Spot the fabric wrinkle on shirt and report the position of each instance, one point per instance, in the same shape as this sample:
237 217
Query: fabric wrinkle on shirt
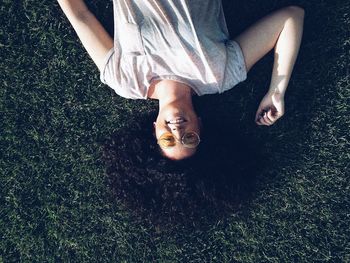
186 41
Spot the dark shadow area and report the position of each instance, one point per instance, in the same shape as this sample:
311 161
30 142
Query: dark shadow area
219 178
222 175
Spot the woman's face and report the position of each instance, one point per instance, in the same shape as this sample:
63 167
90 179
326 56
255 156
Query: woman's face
177 122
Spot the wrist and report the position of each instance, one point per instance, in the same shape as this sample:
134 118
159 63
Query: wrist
276 92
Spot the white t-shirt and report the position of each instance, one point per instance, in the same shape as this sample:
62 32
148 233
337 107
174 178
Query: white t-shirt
183 40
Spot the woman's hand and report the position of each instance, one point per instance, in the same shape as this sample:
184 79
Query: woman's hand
271 108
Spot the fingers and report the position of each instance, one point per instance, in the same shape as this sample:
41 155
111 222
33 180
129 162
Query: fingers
266 118
259 114
270 117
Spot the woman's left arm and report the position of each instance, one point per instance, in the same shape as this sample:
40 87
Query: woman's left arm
281 30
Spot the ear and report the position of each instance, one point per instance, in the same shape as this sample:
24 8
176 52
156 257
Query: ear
154 129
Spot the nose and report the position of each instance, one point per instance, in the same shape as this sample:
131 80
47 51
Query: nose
177 132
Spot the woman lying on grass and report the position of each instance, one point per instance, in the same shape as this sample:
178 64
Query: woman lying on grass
170 50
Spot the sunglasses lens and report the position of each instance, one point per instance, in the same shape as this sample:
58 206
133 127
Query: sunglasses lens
166 140
191 139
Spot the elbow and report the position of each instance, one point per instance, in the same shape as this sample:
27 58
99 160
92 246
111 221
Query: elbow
296 11
74 10
83 15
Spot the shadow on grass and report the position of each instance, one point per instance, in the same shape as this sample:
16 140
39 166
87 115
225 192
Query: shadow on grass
219 179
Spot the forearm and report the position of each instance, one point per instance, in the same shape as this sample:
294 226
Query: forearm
286 51
90 31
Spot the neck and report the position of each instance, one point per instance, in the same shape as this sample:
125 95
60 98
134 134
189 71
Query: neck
169 92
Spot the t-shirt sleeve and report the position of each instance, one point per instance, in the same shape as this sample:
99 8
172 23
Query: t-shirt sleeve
235 70
108 73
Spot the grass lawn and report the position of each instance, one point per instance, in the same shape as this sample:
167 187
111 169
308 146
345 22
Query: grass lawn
80 181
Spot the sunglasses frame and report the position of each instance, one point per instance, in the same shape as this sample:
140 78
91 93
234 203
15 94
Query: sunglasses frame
181 141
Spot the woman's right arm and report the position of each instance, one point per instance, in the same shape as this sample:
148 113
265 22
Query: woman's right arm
90 31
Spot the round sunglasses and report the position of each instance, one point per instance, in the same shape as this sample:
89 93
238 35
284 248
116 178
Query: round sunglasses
188 140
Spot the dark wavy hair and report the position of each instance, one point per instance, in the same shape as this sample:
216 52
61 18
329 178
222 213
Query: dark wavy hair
219 175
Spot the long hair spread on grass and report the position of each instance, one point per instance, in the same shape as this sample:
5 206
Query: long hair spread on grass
219 175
